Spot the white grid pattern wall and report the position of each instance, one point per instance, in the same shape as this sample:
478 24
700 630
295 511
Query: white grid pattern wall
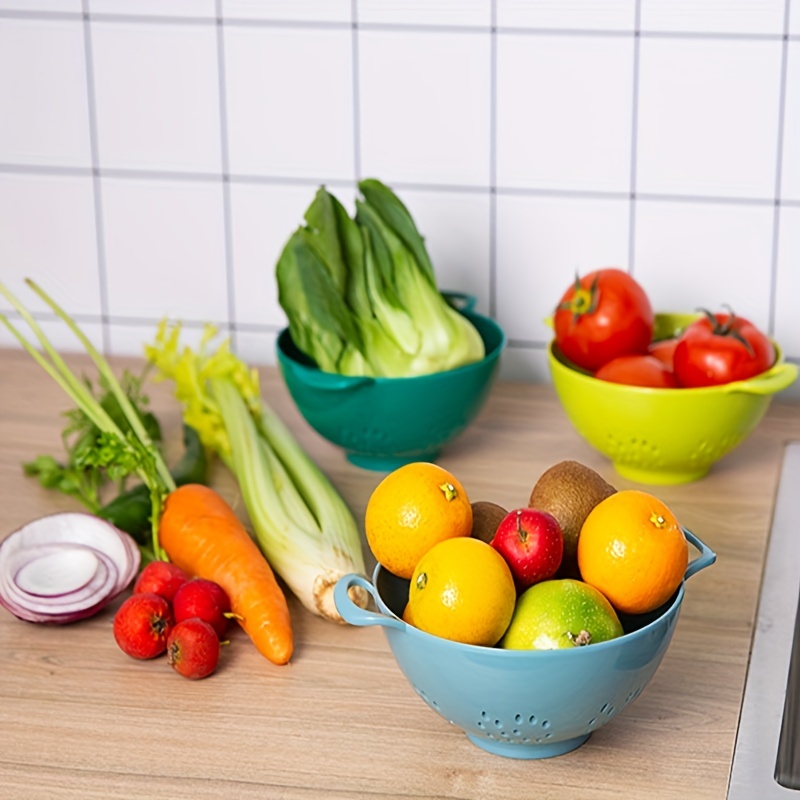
156 154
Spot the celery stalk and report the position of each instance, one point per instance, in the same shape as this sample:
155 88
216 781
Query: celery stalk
300 522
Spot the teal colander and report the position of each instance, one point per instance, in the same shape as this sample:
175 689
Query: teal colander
521 703
383 423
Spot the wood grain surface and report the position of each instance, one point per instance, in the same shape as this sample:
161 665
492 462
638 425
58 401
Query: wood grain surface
79 719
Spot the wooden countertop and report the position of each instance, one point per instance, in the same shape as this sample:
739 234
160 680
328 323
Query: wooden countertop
79 719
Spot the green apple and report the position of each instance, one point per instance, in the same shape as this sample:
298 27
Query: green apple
558 614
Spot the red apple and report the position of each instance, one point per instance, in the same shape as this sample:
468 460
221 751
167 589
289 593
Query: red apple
532 544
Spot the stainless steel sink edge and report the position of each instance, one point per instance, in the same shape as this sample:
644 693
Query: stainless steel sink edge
753 769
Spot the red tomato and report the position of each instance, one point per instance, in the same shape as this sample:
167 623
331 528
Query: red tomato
664 351
601 316
638 371
721 348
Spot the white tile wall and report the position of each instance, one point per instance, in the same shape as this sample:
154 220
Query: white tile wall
157 97
790 175
155 156
424 103
43 93
288 115
706 255
573 133
708 117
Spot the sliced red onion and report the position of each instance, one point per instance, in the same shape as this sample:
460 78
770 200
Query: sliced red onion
64 567
57 570
102 582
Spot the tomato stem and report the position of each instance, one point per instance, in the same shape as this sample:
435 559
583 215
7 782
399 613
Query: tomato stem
727 328
583 300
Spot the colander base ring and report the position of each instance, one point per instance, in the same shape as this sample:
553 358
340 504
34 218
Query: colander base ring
389 463
658 477
527 751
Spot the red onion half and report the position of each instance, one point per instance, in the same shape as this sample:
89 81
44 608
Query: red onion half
64 567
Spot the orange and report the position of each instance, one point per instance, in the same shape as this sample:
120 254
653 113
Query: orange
462 589
632 548
412 509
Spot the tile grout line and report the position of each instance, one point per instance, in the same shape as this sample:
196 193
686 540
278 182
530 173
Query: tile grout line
226 185
356 66
228 20
285 180
634 139
493 163
97 188
776 219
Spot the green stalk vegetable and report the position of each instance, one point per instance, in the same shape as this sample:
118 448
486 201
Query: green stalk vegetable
301 523
119 452
361 296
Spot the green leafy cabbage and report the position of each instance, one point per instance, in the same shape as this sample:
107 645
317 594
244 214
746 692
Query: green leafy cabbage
361 296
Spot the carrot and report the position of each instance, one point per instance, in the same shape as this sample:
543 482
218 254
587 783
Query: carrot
203 536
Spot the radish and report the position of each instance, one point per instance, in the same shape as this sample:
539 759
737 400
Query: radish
64 567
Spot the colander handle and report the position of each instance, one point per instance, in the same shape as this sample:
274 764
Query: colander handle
780 377
706 558
351 612
460 300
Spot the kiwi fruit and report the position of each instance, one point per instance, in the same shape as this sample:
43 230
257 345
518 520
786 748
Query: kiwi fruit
486 517
569 490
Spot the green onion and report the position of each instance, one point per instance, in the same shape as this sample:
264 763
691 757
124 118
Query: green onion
119 452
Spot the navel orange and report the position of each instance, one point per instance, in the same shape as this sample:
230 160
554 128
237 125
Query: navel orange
462 590
412 509
632 548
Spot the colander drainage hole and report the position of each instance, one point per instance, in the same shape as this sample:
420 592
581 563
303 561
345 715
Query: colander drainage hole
606 709
546 725
518 718
498 724
427 699
531 720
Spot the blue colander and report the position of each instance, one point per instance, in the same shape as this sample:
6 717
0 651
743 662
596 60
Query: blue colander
521 703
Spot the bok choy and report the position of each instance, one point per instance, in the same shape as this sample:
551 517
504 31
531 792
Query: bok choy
300 522
360 293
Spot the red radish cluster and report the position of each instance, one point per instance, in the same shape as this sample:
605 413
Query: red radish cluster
170 613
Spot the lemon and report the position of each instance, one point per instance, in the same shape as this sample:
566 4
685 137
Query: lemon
462 590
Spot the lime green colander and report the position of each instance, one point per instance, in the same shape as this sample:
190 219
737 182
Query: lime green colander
665 436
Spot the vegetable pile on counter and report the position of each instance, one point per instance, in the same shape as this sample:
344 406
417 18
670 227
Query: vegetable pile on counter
604 324
301 523
361 295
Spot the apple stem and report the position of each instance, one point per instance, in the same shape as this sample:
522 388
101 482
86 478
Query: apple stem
521 532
